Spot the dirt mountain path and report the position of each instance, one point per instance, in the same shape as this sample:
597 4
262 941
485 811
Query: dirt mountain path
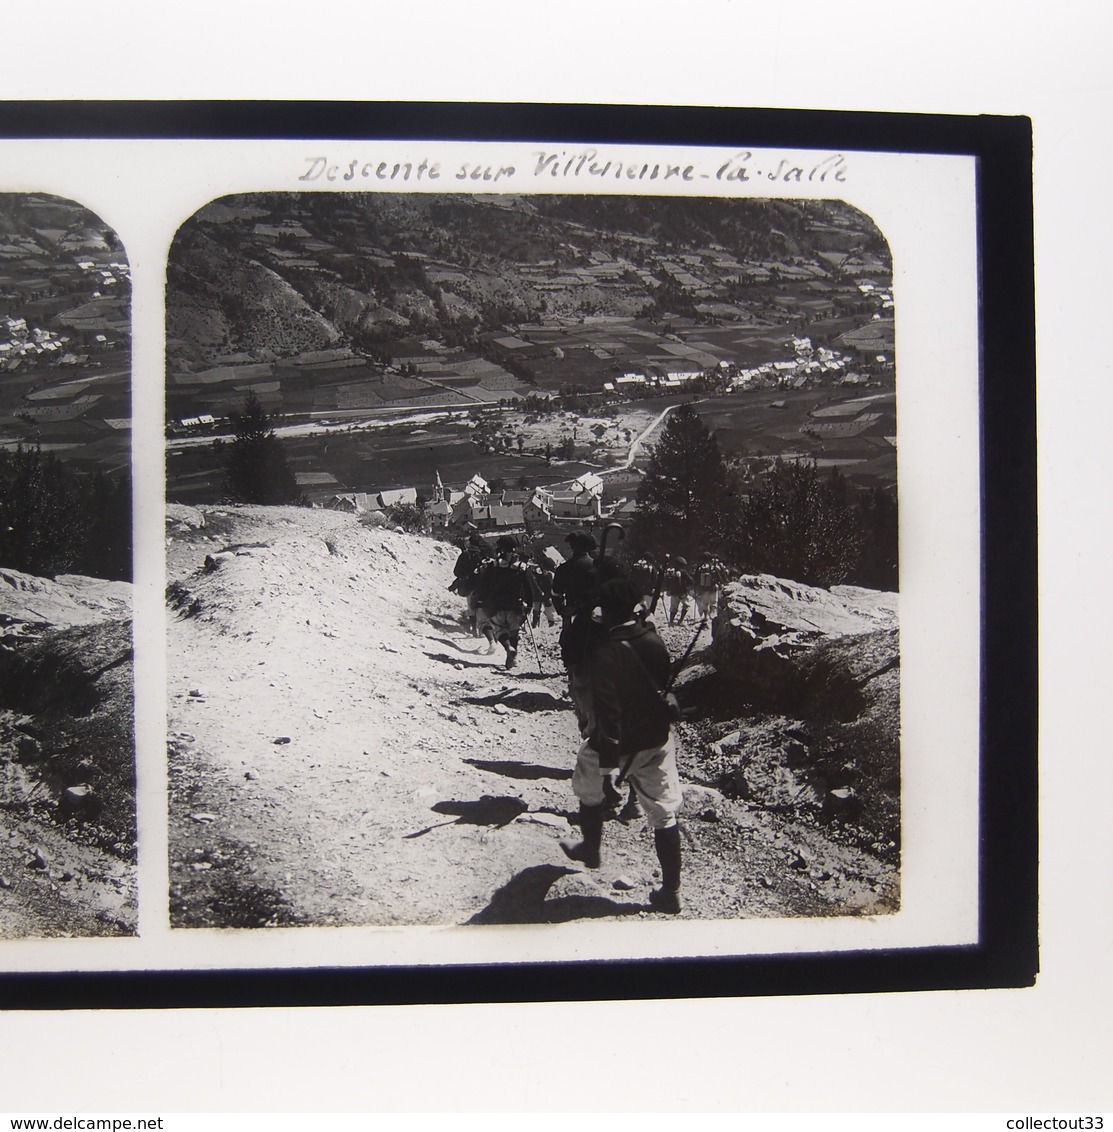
342 751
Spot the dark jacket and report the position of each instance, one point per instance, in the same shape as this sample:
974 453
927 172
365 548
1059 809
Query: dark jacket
644 576
467 565
543 579
574 584
505 588
678 582
627 713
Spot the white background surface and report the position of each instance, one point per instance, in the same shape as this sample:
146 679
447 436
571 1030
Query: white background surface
1040 1051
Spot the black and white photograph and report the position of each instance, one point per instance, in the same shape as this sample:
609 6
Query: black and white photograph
564 572
531 559
67 746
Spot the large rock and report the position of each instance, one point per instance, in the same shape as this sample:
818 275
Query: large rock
30 603
180 517
768 624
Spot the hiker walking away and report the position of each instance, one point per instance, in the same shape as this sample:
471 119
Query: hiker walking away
628 728
541 570
574 579
709 579
503 594
678 586
576 584
643 575
474 552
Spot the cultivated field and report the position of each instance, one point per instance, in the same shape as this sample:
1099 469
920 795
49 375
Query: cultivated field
370 456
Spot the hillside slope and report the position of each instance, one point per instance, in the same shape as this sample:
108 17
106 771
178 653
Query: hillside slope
283 273
67 757
342 751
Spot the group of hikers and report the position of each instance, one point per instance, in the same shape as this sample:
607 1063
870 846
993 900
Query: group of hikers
502 587
618 667
682 586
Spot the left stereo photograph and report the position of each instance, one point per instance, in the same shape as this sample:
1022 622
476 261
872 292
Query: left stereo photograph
67 735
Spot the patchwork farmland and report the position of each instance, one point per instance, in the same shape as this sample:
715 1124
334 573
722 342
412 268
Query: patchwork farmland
416 326
65 333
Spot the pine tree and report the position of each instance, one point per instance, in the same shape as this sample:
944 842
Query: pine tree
688 498
43 525
798 524
257 469
108 547
54 520
877 560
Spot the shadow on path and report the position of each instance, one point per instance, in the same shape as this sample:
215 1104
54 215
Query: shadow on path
488 811
523 700
444 658
526 771
455 644
447 626
522 900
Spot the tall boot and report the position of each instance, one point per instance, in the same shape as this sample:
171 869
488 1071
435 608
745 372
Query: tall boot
587 850
667 897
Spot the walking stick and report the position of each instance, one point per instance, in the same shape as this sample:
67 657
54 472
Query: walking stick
533 641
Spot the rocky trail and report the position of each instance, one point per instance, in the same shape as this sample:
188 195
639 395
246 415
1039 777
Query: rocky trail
343 752
67 774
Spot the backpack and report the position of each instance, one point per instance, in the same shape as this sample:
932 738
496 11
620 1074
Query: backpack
467 570
503 587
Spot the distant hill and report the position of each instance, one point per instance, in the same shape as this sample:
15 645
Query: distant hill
293 272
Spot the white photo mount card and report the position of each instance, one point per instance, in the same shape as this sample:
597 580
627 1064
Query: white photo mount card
776 378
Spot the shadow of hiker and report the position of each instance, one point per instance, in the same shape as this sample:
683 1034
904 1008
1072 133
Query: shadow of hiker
488 811
523 700
522 900
444 658
564 909
527 771
523 674
466 645
446 626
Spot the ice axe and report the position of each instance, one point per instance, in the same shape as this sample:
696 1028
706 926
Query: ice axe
606 532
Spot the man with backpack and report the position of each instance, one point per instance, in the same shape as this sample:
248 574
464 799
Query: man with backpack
541 570
644 576
503 593
709 579
678 585
576 586
627 726
474 552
